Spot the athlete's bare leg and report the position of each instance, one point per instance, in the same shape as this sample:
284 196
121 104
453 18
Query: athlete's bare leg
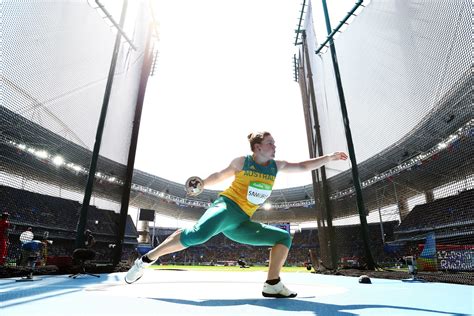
169 245
278 256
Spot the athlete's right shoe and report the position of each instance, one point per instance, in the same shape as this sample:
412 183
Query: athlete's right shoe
278 290
136 271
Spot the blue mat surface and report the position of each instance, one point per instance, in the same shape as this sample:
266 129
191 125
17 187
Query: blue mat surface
162 292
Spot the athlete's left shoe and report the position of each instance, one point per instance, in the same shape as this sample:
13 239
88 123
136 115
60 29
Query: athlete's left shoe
136 271
278 290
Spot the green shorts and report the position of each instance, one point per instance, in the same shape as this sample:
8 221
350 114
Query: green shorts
225 216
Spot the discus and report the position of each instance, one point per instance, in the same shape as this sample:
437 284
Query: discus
194 186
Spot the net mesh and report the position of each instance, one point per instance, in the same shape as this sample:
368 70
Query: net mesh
54 68
406 72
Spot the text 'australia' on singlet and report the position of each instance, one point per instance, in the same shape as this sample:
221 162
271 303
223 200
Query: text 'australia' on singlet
252 185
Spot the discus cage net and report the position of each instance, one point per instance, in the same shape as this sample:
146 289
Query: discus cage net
61 61
406 74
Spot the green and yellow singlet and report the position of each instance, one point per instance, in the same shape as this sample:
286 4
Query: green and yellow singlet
252 185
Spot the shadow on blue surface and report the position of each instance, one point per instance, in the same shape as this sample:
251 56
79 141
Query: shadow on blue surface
42 288
301 306
8 283
38 299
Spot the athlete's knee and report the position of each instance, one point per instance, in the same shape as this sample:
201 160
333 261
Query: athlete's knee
285 240
194 236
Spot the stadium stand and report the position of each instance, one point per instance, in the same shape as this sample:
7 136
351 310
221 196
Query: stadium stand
59 218
222 249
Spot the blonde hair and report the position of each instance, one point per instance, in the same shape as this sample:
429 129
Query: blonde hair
256 138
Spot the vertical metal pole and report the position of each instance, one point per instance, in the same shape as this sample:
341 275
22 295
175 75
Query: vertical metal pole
381 226
154 228
396 201
380 215
312 152
98 138
350 145
318 151
138 216
146 68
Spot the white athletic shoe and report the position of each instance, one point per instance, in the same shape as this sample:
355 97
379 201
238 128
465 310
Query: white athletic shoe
278 290
136 271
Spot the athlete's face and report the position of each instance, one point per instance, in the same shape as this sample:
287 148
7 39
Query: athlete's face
267 147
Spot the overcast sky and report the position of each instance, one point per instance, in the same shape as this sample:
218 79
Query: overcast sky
224 69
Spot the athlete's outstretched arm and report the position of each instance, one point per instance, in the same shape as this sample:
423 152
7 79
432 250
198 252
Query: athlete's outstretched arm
310 164
235 166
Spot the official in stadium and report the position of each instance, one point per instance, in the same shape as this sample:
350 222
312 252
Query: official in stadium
89 239
231 212
4 226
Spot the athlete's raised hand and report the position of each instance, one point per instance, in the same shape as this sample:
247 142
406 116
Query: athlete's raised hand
338 155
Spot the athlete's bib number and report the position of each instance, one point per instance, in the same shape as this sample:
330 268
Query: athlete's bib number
258 192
